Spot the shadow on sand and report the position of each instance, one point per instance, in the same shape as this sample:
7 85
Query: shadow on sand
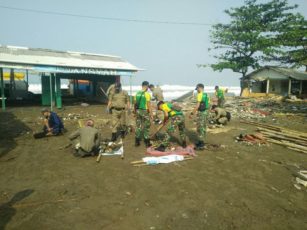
11 128
7 211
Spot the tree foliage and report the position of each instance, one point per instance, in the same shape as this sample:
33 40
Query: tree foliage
254 35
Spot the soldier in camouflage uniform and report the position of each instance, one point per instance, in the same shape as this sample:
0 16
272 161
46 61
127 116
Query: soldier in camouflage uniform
176 119
142 108
201 109
118 104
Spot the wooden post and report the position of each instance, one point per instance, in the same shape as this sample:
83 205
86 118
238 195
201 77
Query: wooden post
27 75
58 93
12 84
301 87
130 82
267 86
51 93
2 90
290 85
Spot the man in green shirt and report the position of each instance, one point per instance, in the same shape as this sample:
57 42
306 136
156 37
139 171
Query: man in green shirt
176 118
201 109
143 112
220 94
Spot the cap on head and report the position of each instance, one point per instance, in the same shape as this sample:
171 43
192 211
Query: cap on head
199 85
90 123
145 83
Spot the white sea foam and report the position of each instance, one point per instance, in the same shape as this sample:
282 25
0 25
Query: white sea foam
174 91
169 91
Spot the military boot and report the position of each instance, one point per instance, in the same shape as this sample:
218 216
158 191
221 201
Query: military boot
114 137
137 142
200 145
161 148
123 133
184 144
147 143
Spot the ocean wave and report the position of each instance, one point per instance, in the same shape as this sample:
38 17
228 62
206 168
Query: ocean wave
170 92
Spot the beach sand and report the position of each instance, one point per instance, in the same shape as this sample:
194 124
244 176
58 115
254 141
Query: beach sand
238 187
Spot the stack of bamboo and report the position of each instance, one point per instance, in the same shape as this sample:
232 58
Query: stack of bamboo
282 136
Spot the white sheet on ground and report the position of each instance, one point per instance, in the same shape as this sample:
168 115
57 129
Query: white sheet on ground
163 159
120 151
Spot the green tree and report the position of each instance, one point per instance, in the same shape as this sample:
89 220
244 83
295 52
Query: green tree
292 39
250 36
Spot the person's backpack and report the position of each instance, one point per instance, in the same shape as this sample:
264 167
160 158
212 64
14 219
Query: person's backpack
137 103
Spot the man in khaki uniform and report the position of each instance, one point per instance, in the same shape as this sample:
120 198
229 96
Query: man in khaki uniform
89 142
111 90
117 105
221 116
157 95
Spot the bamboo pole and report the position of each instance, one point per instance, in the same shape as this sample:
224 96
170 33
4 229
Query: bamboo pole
275 128
287 144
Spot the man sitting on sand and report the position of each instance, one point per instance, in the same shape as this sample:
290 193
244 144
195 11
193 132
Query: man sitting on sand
221 116
89 142
53 125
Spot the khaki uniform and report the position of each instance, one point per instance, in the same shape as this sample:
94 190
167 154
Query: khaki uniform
118 105
157 94
111 91
220 116
89 139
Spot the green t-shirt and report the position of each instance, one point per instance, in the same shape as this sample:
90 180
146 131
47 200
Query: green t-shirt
141 98
220 93
168 107
203 98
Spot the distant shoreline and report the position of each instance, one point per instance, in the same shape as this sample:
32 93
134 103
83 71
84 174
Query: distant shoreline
170 91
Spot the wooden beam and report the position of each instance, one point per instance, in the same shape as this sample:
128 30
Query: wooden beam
267 86
289 88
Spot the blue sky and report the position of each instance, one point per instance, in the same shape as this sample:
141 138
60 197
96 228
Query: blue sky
169 53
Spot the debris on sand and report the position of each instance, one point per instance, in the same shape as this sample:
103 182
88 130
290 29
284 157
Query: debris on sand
254 138
291 139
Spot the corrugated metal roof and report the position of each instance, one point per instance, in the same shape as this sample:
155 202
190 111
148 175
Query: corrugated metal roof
285 72
23 56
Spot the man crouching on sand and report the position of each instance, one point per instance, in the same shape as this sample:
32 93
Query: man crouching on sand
53 125
89 142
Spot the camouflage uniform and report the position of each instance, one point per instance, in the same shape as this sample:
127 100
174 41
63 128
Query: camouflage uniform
202 124
142 124
142 115
176 119
202 115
